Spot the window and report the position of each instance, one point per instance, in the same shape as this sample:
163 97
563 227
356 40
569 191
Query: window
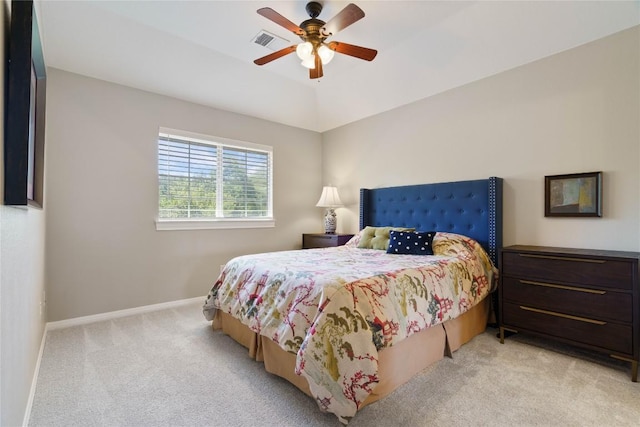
208 182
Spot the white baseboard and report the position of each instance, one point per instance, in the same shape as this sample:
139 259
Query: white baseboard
120 313
34 380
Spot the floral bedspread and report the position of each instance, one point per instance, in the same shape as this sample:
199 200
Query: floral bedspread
335 308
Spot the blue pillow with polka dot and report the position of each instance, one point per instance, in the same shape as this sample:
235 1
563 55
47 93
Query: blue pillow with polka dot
411 242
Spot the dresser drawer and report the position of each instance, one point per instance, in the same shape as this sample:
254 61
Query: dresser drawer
570 269
610 336
600 304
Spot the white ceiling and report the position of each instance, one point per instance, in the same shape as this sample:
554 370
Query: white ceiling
202 51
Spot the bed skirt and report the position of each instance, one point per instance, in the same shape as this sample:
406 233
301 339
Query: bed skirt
396 365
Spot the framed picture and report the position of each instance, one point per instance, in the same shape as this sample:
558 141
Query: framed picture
573 195
24 109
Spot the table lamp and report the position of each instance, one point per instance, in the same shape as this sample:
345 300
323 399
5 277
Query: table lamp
330 200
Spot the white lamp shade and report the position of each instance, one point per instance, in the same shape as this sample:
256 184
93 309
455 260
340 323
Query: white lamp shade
329 198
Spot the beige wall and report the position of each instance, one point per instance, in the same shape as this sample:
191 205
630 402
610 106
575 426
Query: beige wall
577 111
103 251
22 237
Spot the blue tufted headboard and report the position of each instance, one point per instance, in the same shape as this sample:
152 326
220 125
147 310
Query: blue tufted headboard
471 208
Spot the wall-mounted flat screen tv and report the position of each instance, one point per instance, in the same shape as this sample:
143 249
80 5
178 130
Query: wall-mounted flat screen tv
24 110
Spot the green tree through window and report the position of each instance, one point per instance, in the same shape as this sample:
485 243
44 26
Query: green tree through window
203 179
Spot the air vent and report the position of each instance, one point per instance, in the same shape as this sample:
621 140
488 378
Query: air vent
270 41
263 39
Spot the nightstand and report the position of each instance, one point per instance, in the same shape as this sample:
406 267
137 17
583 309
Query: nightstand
322 240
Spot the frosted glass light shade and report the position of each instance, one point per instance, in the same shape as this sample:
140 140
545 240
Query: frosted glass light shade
326 54
304 51
309 62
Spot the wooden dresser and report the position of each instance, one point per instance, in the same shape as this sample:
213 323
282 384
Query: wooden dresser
589 298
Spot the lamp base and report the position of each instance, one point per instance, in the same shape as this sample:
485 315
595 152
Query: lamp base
330 221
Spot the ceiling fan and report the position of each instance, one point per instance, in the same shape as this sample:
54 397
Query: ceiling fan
313 51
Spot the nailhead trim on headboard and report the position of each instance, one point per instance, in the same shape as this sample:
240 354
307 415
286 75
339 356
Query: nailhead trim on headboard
495 207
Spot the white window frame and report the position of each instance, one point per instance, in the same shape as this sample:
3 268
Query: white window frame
218 222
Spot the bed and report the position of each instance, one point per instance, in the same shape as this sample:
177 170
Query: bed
348 325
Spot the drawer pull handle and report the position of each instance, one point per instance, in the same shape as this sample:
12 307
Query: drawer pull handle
569 288
561 258
626 359
566 316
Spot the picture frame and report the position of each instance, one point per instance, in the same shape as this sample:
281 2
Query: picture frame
573 195
24 110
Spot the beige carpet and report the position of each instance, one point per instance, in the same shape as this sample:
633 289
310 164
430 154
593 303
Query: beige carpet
168 368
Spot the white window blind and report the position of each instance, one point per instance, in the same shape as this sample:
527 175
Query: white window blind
208 178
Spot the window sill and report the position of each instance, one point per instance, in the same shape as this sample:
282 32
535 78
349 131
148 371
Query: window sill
211 224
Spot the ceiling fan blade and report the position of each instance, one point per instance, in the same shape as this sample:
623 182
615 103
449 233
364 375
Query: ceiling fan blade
274 16
275 55
316 73
353 50
343 19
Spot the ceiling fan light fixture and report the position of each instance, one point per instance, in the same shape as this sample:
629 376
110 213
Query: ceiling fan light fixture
313 51
309 63
326 54
304 51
